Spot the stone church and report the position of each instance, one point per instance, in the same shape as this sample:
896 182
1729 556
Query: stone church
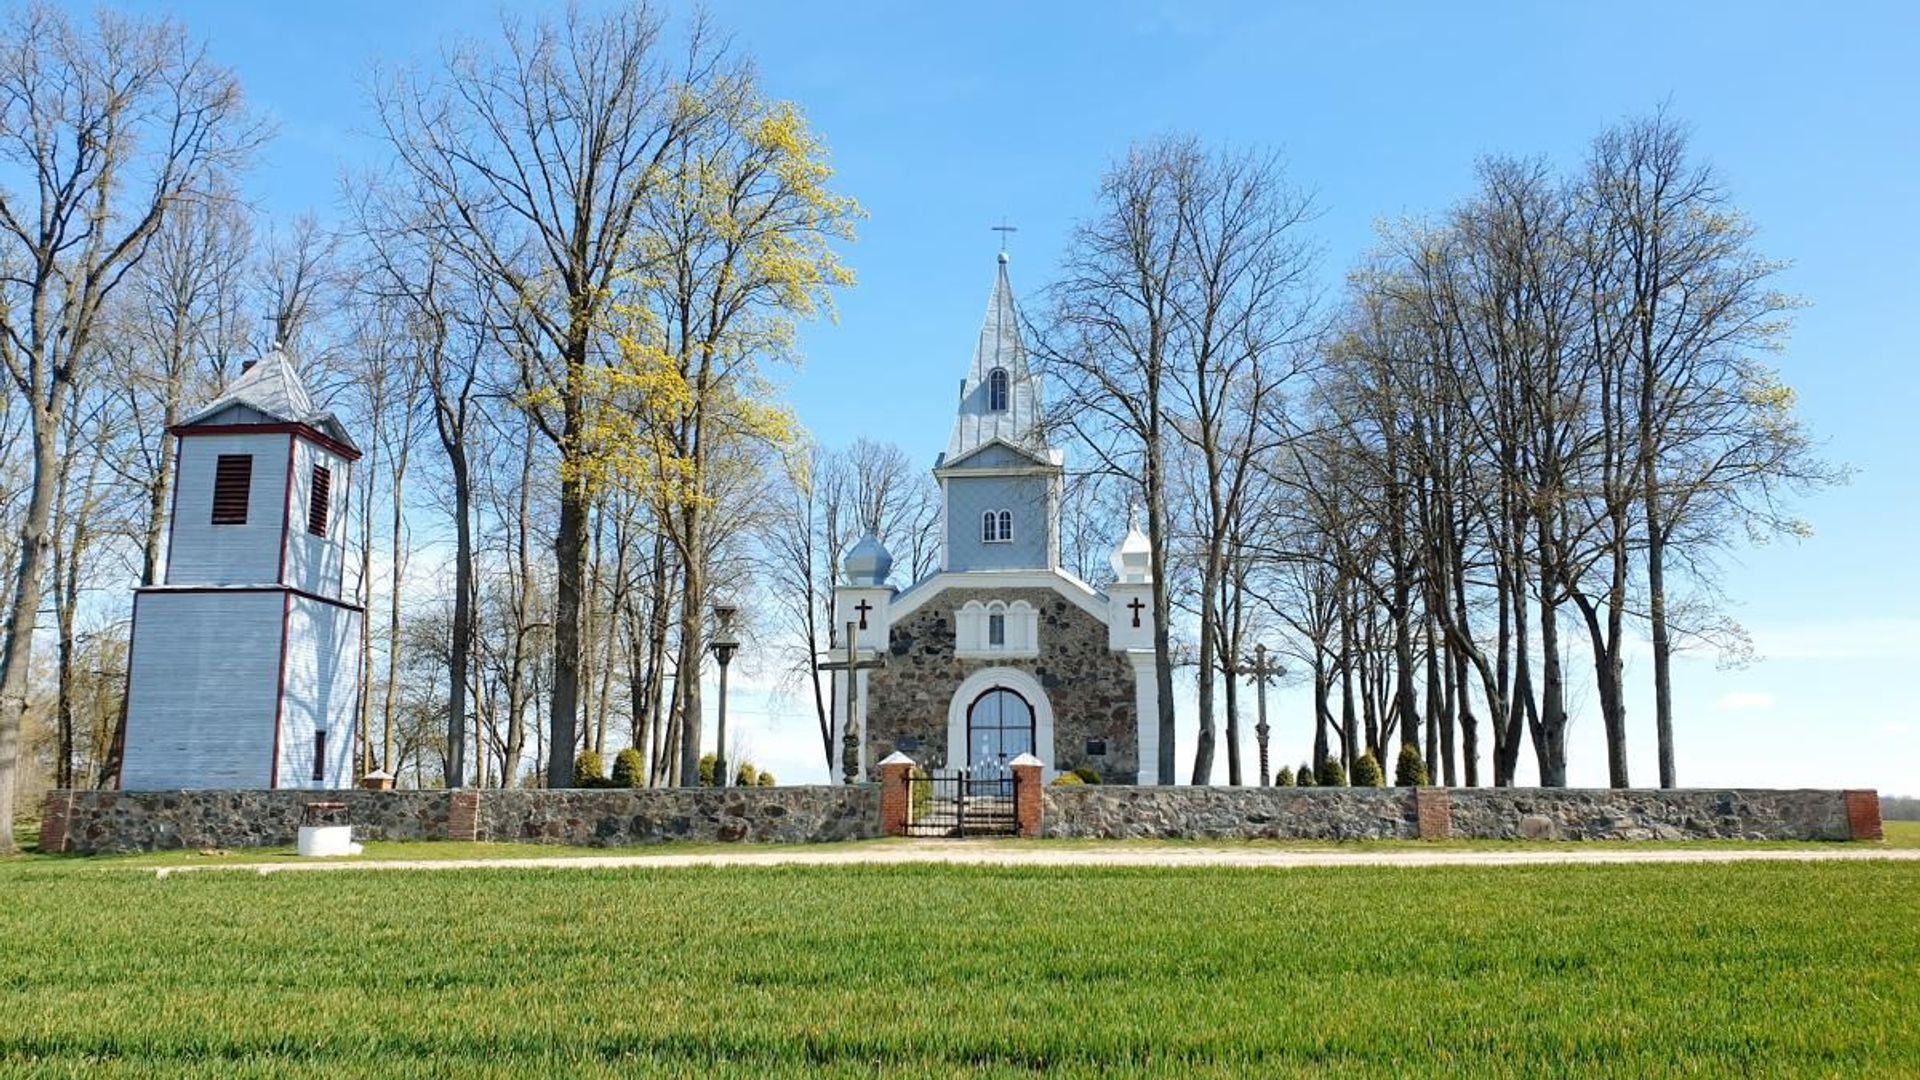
1001 651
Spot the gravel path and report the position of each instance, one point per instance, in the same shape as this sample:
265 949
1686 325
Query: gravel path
976 854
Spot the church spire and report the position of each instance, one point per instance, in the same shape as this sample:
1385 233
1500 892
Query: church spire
1000 397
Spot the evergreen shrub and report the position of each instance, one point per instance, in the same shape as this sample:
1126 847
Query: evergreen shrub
1411 769
589 771
1331 774
1303 776
629 769
1367 772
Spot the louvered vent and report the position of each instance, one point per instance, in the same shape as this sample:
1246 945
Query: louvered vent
232 477
320 499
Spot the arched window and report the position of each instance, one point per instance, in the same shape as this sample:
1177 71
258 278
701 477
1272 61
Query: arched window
996 526
1000 728
997 390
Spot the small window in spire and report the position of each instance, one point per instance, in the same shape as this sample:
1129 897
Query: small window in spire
997 390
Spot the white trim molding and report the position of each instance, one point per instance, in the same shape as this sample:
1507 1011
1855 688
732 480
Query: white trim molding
1072 588
1020 682
973 641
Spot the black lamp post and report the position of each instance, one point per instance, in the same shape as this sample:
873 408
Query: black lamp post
724 645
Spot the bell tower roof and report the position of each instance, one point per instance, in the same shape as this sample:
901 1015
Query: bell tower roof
270 391
1000 396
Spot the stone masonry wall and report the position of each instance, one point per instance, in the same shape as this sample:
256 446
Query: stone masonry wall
117 821
125 821
615 818
1220 813
1088 685
1474 813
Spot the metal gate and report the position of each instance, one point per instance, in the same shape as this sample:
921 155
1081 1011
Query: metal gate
962 802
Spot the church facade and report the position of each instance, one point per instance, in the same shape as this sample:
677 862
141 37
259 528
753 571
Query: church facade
1001 651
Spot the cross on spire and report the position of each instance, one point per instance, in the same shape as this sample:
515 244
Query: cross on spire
1003 229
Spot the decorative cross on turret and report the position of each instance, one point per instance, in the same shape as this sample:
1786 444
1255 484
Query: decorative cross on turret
863 607
1003 229
1136 607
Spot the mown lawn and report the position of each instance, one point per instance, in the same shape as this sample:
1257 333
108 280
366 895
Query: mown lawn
1741 970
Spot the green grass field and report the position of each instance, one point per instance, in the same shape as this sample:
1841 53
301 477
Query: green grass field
1741 970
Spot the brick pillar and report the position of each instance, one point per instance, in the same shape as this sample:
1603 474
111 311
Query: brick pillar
1863 815
894 770
463 814
57 811
1434 809
1027 773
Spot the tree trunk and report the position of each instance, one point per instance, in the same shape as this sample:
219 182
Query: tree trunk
462 644
17 656
569 552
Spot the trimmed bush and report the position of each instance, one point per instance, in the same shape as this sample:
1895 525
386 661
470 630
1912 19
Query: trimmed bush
629 769
1367 772
708 763
746 775
922 800
589 770
1087 774
766 779
1331 774
1067 779
1283 778
1303 776
1411 769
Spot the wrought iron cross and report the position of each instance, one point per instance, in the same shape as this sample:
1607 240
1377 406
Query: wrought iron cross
863 607
1003 229
1136 607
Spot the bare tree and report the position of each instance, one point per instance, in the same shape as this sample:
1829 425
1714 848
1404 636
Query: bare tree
117 125
1108 340
536 163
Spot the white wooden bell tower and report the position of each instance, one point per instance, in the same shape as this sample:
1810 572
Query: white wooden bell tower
245 660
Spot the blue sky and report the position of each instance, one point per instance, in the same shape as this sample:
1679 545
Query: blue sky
945 118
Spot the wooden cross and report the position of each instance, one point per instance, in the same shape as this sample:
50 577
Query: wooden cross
1263 671
850 739
863 607
1136 607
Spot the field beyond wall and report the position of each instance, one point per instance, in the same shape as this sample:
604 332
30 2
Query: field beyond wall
1724 970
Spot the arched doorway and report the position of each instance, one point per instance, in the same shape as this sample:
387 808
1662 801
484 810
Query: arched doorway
999 710
1000 727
